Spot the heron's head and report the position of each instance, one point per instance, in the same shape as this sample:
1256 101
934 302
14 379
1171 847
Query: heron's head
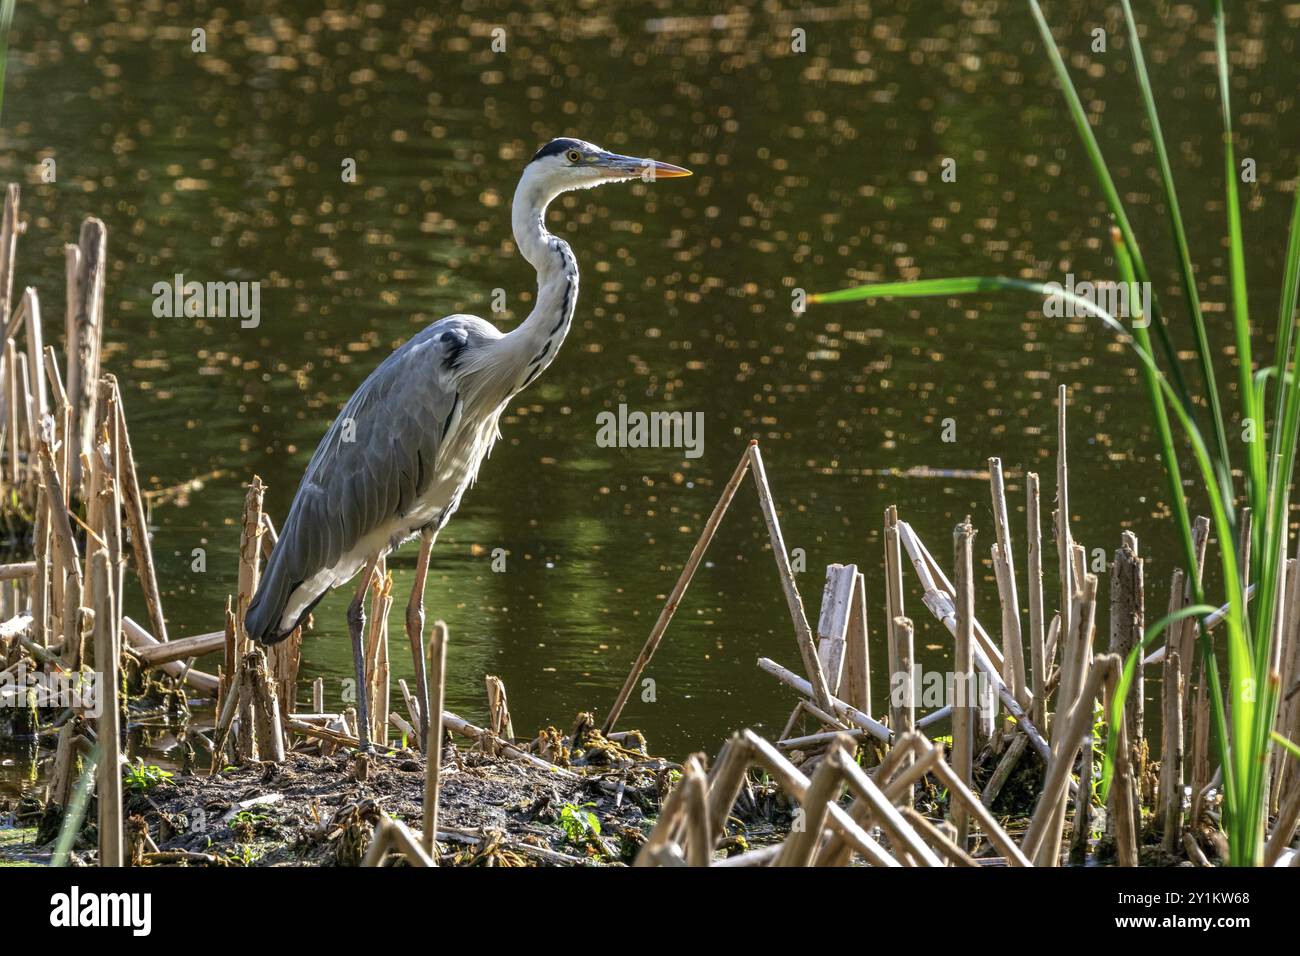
564 164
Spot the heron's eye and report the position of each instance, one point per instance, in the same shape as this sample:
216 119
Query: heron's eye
573 156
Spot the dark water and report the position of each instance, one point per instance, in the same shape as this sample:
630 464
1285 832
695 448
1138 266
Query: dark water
813 170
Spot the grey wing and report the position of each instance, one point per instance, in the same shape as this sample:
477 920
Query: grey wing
371 466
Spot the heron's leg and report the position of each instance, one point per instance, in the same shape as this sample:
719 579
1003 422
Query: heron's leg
356 628
415 633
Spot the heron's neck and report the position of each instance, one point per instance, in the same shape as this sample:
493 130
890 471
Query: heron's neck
535 342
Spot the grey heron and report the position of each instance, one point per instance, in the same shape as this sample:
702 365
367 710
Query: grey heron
410 440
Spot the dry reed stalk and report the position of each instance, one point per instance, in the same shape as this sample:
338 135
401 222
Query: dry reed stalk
901 835
437 670
84 337
795 783
699 828
940 595
376 650
140 639
10 229
1013 654
1076 648
1038 660
266 709
833 623
903 681
1042 842
726 779
392 834
499 722
1200 759
1084 620
1284 827
250 556
1187 627
840 710
1170 702
893 583
137 523
821 694
677 593
991 829
1124 817
936 838
1002 773
963 717
1127 626
199 645
31 432
1061 516
856 683
40 594
1171 779
61 412
823 789
246 731
12 399
111 510
412 711
67 562
107 659
939 599
31 309
284 659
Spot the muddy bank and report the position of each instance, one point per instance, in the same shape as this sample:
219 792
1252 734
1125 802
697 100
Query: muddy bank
312 810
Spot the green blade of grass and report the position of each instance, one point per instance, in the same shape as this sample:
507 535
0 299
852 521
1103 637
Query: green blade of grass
1111 194
1286 744
1186 274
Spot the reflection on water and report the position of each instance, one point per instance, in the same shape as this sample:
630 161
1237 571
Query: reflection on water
812 170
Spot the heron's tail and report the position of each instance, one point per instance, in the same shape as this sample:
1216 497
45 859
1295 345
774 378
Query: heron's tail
265 613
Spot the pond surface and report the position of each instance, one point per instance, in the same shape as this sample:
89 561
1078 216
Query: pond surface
812 170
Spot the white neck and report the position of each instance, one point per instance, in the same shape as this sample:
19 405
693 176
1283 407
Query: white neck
533 345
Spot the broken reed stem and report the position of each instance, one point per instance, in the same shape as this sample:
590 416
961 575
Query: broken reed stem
1128 624
963 717
855 684
84 337
678 592
137 524
840 710
1013 655
699 829
1171 745
250 556
893 594
433 756
107 657
1124 815
1171 793
903 705
1037 648
1064 542
833 624
1042 842
803 634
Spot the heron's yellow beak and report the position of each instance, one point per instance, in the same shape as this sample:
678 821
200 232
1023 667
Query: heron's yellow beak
645 169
